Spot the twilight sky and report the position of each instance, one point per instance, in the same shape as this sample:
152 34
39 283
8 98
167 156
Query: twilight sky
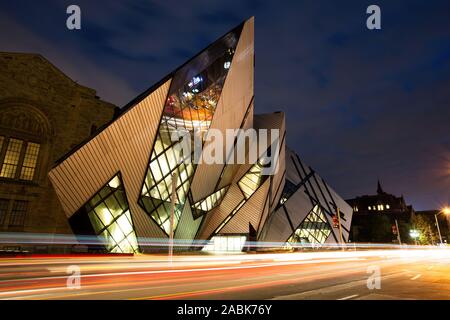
360 104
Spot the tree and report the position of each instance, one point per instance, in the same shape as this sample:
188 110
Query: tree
426 228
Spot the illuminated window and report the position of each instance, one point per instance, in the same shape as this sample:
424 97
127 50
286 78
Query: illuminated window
225 244
210 202
388 207
192 100
18 213
111 219
30 161
11 160
370 208
4 204
315 229
20 159
251 181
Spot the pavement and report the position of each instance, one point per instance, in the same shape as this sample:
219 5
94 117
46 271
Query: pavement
336 275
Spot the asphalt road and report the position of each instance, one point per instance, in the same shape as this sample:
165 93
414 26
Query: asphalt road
404 274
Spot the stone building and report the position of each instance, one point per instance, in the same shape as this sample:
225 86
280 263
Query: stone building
374 217
43 114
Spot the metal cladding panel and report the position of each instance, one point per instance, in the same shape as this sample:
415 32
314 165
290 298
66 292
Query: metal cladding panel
187 226
278 179
277 228
251 212
292 173
237 94
346 209
275 121
298 206
319 192
125 146
214 218
230 171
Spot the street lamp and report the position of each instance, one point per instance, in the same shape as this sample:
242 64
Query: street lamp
414 234
446 211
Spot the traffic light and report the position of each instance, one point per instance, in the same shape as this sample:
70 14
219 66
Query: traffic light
335 221
394 229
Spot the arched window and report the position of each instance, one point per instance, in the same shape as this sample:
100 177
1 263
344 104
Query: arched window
23 132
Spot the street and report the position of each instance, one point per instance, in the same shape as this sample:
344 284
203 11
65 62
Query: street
336 275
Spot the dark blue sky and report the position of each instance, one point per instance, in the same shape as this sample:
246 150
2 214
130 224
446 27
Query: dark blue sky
360 104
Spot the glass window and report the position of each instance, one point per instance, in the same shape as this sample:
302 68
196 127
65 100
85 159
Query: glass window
208 203
192 99
18 213
314 230
30 161
111 218
251 181
11 161
4 204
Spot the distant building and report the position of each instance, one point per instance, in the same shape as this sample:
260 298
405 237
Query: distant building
43 114
374 216
381 202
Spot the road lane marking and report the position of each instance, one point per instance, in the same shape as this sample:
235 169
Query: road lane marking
416 277
349 297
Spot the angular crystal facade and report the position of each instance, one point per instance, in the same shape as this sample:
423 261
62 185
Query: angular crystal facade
251 181
192 100
210 202
314 230
111 219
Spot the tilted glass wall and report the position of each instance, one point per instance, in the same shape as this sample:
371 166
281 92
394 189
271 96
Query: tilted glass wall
251 181
315 229
111 219
210 202
192 100
248 184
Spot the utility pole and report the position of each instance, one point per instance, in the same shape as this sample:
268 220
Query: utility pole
398 233
439 229
172 213
340 228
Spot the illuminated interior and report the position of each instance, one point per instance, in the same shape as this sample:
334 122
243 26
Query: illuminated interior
313 230
11 160
225 244
192 100
20 159
209 202
111 219
30 161
251 181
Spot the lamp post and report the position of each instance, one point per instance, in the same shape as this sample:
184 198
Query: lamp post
445 211
341 239
414 234
172 213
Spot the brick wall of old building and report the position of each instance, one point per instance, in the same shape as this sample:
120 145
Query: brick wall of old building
39 105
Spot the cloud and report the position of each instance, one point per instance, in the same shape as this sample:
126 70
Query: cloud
72 62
